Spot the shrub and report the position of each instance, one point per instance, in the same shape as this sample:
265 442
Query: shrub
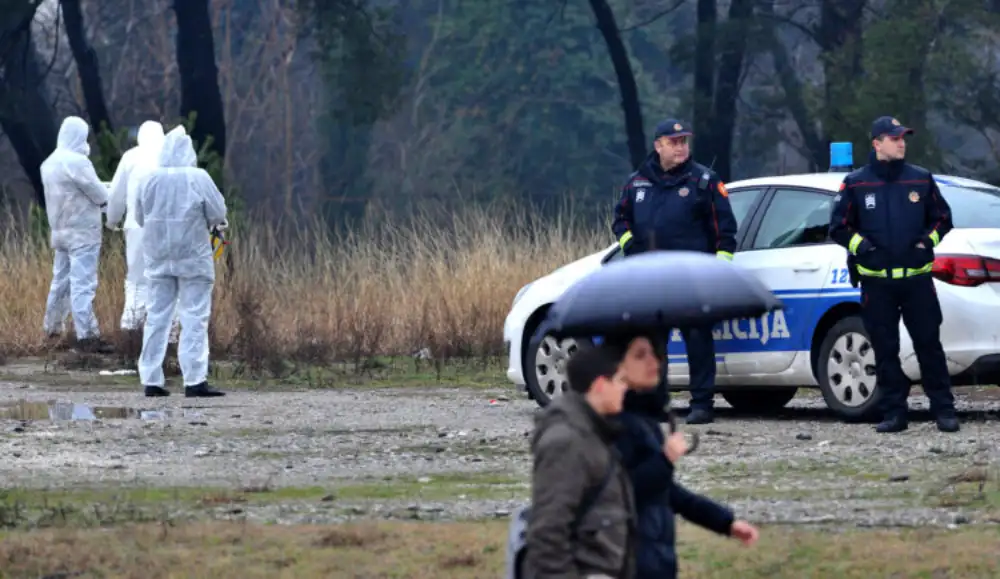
445 285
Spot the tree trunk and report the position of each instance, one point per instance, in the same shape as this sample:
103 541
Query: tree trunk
626 81
791 86
200 94
704 82
86 65
25 114
89 72
727 86
840 41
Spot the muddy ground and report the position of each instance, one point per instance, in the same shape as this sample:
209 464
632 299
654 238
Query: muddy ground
319 456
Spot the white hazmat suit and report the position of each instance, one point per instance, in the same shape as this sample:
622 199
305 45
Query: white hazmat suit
135 163
177 204
74 198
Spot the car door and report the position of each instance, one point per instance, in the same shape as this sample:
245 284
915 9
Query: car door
745 203
789 249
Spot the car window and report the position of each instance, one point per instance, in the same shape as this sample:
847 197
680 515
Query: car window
795 217
741 200
972 207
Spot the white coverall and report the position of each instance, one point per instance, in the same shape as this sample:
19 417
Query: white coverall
121 203
177 204
74 198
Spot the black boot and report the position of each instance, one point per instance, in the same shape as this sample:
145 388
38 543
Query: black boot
892 424
700 415
156 391
947 422
202 390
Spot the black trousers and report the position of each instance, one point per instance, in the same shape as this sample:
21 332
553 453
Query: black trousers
883 302
700 346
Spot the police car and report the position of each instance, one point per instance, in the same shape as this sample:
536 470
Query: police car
818 340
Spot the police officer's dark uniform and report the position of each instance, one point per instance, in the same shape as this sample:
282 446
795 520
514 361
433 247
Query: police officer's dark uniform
683 208
890 215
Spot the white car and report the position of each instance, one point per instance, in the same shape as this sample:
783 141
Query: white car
818 340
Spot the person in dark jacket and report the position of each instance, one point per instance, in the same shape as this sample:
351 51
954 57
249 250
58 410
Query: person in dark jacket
889 216
650 458
673 203
582 521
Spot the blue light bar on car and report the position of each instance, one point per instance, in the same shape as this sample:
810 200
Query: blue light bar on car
841 157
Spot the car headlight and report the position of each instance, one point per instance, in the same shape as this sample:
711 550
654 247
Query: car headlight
520 294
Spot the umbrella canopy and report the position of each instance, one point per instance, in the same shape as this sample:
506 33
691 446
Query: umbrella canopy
659 290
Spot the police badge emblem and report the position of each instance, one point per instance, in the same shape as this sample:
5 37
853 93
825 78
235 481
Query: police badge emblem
895 123
683 192
914 196
640 195
677 127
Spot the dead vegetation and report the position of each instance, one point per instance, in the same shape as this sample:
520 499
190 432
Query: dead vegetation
468 550
384 291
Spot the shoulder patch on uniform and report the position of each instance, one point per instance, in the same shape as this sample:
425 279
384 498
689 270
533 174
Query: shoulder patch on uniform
640 182
722 189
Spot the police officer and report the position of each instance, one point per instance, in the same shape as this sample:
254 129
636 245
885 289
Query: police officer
673 203
890 216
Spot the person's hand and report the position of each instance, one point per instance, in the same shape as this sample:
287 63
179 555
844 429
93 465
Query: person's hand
744 532
675 446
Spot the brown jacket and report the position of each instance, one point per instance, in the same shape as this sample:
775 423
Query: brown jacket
573 447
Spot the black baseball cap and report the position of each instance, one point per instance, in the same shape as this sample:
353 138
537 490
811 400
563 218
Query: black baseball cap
889 126
672 128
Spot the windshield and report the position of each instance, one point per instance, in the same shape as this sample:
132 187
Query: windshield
972 207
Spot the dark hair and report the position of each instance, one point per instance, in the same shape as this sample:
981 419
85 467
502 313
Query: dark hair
588 364
620 343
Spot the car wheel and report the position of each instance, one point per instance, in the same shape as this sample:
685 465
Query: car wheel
846 371
758 400
545 368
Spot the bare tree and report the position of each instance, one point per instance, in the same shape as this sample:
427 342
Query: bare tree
25 114
631 106
200 94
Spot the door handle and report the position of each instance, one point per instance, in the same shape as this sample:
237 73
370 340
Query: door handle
806 267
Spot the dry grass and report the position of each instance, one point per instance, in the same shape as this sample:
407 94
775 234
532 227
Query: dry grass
467 550
446 286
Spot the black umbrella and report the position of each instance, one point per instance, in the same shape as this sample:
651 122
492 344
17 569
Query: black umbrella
659 290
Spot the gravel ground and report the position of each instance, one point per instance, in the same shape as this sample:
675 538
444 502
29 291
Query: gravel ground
802 466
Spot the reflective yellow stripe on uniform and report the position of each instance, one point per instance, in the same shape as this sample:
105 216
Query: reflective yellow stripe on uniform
856 240
896 272
935 238
625 238
724 255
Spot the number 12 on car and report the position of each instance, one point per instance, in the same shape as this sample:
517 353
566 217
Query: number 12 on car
840 275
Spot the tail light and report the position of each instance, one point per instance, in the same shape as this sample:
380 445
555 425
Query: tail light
966 270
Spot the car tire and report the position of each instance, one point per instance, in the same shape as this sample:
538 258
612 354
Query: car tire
759 400
544 367
845 369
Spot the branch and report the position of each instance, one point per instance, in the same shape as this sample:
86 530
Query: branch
677 4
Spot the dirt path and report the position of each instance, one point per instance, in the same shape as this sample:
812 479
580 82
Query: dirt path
431 453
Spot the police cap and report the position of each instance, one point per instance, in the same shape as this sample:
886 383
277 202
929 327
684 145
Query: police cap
671 128
889 126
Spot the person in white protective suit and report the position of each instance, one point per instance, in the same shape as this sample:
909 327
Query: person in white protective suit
137 161
74 199
177 204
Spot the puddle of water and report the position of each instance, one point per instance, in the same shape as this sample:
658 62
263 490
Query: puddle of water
65 411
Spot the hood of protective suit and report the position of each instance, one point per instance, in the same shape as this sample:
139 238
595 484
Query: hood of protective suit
73 135
178 150
150 135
